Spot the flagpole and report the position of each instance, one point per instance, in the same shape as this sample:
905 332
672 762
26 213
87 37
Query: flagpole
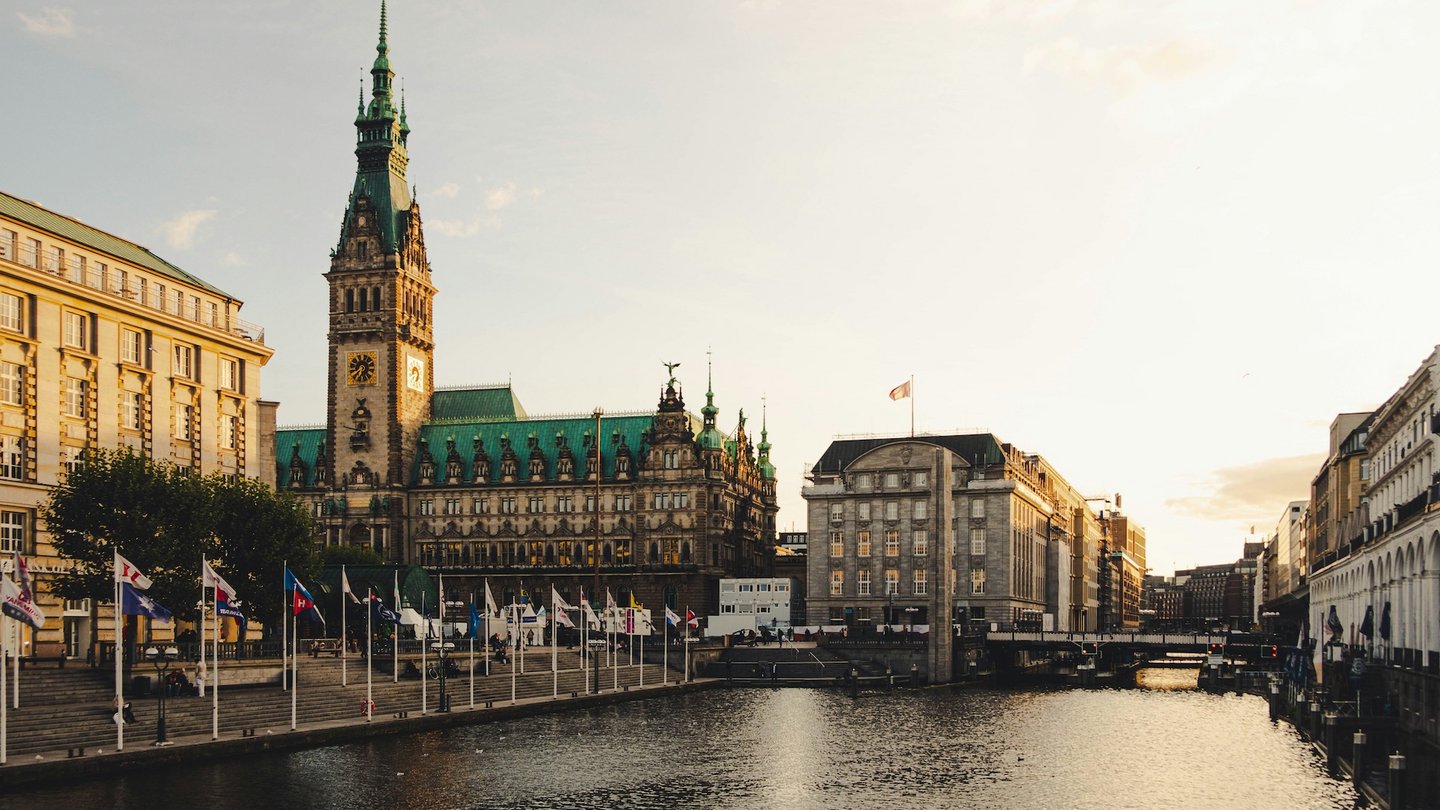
473 631
344 676
486 647
685 643
665 655
284 629
512 660
912 406
294 669
119 652
395 648
642 656
424 642
554 651
369 653
584 643
215 670
4 716
19 650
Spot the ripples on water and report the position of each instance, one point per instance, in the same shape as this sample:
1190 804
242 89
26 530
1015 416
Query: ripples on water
1165 745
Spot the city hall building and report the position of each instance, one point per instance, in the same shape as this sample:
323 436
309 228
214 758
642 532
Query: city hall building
462 481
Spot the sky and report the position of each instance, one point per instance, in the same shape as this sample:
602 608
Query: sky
1161 244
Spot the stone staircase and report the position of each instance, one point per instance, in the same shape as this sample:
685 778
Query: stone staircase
63 709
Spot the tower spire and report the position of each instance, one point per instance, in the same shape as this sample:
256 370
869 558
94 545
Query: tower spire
383 47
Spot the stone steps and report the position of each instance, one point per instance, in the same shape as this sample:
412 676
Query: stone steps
321 699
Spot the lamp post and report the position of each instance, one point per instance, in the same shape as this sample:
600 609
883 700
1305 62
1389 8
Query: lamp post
441 648
161 658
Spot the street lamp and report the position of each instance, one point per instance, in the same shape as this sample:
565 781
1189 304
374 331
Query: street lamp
161 658
441 648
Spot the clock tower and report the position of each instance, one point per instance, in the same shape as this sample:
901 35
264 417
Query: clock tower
381 304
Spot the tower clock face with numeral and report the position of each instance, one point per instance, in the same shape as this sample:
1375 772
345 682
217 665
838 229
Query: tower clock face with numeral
360 368
415 373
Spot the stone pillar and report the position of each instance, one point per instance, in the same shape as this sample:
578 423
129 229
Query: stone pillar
1357 762
1332 752
1397 796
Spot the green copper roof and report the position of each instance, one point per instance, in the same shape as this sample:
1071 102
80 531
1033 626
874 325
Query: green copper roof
475 404
78 232
308 440
573 429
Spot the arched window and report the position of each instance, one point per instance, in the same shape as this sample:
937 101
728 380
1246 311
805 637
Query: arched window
685 553
605 555
349 300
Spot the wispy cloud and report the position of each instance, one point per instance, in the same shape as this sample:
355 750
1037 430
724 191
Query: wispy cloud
180 231
461 229
500 197
1035 13
448 191
232 259
1121 67
1251 492
50 22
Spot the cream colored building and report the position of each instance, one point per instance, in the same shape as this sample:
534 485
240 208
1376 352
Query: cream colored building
107 345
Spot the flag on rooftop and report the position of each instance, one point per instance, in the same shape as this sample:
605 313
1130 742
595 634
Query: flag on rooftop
900 391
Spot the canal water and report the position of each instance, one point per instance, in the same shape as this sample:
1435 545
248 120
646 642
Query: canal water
1161 745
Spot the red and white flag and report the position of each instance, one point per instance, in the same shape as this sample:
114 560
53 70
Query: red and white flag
690 618
900 391
125 571
209 578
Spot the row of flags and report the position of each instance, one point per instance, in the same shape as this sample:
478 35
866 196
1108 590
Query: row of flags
1367 624
18 600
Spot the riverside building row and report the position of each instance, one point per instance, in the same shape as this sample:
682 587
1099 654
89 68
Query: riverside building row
103 344
965 529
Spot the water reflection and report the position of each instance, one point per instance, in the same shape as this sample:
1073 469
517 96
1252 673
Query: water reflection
1162 745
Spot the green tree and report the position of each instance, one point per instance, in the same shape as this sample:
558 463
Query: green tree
257 533
157 515
349 555
164 518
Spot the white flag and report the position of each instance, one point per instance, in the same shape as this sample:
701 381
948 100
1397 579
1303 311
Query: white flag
671 617
125 571
558 601
345 586
490 608
17 604
563 620
900 391
210 579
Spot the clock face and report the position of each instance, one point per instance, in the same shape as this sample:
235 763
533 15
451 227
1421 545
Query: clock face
360 368
414 373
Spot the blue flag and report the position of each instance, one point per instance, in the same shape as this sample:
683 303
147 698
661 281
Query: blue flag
1385 622
1367 625
303 604
227 608
474 621
135 603
382 613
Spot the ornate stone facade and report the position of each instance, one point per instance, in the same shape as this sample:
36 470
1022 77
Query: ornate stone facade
463 481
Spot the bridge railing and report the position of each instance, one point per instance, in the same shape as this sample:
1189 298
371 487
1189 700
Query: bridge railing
1062 636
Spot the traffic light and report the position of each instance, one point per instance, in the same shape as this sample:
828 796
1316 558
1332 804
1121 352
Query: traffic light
1271 651
1217 649
1090 647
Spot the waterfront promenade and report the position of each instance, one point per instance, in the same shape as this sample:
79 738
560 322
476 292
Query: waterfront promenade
64 730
